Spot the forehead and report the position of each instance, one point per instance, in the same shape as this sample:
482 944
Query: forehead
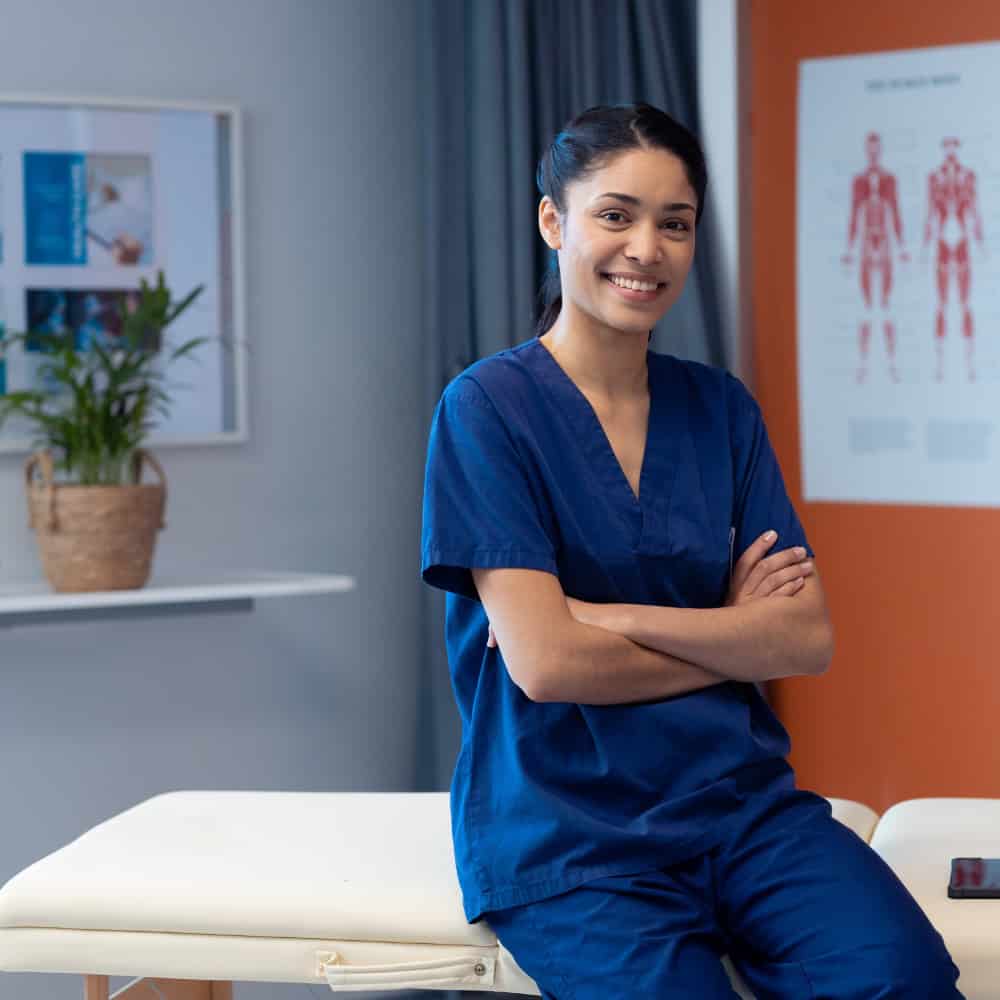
652 175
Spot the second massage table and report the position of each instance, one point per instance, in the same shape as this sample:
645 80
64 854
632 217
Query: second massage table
190 891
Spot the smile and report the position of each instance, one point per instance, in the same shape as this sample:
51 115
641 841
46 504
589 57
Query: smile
634 289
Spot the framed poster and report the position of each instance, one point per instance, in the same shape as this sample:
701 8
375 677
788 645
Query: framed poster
97 194
898 233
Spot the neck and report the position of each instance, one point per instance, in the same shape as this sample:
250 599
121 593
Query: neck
606 361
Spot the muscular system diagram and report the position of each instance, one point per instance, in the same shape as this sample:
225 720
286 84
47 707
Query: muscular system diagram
952 211
874 212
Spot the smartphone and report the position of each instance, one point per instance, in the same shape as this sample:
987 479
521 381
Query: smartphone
974 878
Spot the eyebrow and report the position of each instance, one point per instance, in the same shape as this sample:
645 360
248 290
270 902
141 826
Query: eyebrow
629 199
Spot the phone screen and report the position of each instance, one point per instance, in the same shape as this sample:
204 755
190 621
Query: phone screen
974 877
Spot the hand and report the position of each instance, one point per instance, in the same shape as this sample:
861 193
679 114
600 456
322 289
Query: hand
757 574
126 250
587 613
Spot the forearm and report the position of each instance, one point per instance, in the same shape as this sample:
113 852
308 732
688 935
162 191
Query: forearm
757 641
594 666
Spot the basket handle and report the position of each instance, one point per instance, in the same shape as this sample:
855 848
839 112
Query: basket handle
42 459
139 456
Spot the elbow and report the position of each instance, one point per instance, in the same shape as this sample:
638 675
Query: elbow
530 674
532 689
537 684
820 650
542 668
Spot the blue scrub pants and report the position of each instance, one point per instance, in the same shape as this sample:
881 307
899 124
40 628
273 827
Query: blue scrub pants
804 908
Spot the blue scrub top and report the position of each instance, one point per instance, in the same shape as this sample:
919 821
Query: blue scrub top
520 473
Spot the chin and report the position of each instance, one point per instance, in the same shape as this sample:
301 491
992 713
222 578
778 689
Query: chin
638 325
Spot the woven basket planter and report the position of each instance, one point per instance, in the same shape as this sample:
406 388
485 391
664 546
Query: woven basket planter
95 537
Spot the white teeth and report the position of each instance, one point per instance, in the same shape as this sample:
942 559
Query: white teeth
636 286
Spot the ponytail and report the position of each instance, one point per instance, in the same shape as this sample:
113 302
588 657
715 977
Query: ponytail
549 296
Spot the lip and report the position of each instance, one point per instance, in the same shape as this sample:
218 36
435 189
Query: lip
633 276
631 294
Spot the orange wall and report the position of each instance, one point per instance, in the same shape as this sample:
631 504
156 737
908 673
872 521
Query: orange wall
911 704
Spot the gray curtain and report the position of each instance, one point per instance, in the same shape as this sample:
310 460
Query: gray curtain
500 78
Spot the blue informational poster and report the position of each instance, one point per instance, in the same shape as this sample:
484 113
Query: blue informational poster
55 208
94 208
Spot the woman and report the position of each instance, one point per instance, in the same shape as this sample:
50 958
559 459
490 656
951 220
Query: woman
623 565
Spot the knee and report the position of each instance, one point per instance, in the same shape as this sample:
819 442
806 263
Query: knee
917 970
907 970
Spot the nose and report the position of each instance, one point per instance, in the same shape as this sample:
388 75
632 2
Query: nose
645 246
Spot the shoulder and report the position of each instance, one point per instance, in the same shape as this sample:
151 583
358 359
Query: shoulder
496 381
716 396
707 382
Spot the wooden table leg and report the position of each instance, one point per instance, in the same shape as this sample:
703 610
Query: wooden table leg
96 988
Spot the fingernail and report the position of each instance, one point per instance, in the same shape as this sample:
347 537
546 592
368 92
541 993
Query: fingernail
800 552
770 536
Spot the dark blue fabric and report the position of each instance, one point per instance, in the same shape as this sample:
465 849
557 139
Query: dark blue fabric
802 906
519 473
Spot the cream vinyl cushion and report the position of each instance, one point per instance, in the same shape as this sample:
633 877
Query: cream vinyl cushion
355 889
918 839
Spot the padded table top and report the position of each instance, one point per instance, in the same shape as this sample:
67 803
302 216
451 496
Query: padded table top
918 839
357 866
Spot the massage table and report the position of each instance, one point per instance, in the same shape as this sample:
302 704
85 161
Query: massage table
917 839
190 891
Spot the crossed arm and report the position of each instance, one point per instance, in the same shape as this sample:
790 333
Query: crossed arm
774 624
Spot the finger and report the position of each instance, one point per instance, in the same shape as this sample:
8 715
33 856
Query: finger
491 639
773 563
790 588
774 581
755 551
779 577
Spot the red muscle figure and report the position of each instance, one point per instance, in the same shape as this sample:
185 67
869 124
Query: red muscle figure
952 210
874 210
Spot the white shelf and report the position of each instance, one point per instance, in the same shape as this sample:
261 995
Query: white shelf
24 602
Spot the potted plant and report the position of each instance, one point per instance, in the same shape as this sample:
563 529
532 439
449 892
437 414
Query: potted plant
98 396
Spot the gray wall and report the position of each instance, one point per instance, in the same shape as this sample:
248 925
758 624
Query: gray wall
308 693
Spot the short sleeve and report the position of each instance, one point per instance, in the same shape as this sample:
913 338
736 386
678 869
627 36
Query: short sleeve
481 508
761 500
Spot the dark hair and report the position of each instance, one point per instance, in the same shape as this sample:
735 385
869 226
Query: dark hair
586 144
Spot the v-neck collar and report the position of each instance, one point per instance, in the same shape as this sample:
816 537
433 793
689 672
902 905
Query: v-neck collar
659 457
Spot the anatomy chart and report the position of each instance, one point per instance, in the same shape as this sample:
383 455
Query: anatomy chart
898 277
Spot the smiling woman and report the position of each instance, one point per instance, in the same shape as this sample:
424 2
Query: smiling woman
630 191
623 565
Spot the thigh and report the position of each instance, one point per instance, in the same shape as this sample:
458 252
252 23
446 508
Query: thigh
813 911
650 935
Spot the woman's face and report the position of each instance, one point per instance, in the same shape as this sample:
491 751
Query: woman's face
626 241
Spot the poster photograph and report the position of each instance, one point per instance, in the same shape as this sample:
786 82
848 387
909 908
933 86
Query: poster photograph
898 277
97 195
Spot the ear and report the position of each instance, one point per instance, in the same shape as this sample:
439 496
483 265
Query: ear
549 223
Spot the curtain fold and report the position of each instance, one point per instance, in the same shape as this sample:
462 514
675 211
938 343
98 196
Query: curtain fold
501 77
